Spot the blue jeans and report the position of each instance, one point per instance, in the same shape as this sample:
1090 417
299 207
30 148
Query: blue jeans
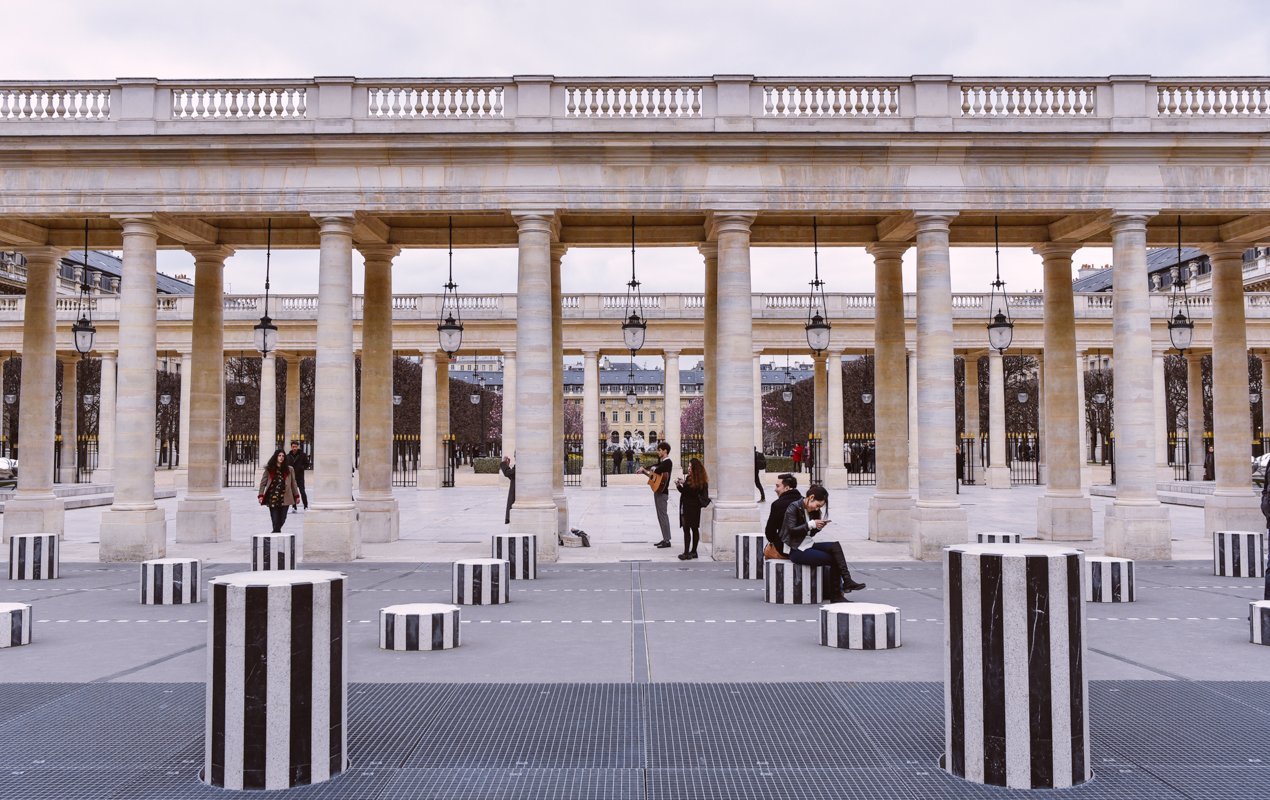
818 555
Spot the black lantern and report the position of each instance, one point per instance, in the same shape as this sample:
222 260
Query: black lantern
631 397
817 326
1000 326
1181 327
475 397
83 330
788 393
450 328
265 333
634 326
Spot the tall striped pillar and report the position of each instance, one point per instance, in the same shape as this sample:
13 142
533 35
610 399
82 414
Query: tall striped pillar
277 702
1015 693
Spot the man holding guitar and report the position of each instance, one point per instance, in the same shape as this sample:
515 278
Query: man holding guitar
659 482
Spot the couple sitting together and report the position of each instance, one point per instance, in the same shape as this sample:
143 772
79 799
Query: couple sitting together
791 527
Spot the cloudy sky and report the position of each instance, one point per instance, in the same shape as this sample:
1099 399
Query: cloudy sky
372 38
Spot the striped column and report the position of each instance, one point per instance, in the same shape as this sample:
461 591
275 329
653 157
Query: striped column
171 581
277 705
419 626
33 557
1108 580
271 551
481 581
790 583
1259 622
1239 554
1015 692
15 624
998 537
520 550
749 556
860 626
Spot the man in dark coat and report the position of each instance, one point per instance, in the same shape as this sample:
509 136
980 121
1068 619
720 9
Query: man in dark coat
509 470
786 494
298 462
760 464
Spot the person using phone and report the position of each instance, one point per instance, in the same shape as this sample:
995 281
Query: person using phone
802 523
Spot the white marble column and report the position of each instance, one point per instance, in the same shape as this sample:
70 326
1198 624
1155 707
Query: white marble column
1082 423
377 511
509 402
891 506
1064 512
710 253
835 467
592 467
267 422
429 437
34 508
441 410
758 400
1136 525
535 510
70 418
673 410
938 517
1195 441
292 412
183 422
105 473
735 511
557 394
134 528
1160 445
911 356
1232 505
970 396
998 471
1042 469
819 401
331 532
1265 401
203 515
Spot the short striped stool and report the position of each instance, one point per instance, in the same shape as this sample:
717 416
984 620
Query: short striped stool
170 581
1239 554
270 551
481 581
1108 580
860 626
790 583
749 556
520 550
998 537
33 557
1259 617
419 626
15 624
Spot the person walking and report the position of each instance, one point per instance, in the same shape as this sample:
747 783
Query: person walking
509 471
801 524
694 491
617 460
298 461
659 481
798 458
786 494
760 464
277 489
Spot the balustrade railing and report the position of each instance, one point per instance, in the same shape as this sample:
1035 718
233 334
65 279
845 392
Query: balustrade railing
1010 99
831 100
435 102
633 100
1243 99
239 103
83 103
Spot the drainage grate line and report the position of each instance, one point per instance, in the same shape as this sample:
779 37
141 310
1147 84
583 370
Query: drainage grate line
640 671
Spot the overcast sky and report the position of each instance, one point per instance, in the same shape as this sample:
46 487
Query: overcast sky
292 39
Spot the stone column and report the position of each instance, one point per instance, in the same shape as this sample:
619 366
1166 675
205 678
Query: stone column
970 394
34 508
1195 415
292 412
1064 512
758 400
70 418
1042 470
735 511
592 468
509 402
1082 423
105 473
331 532
183 422
1232 505
376 509
835 469
134 528
891 506
557 389
1160 445
710 252
672 403
442 409
535 510
429 463
819 397
998 471
938 517
1136 525
203 515
1265 402
911 356
267 427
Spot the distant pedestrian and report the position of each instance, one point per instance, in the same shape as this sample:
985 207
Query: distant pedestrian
694 495
760 464
617 460
629 454
509 470
277 489
1208 464
798 458
298 461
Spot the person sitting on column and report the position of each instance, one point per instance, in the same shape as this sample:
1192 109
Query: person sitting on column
694 493
509 470
801 524
298 462
786 494
659 482
277 489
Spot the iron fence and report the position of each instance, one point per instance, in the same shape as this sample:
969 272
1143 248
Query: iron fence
450 452
1023 455
167 452
814 462
691 447
242 460
860 458
1180 456
604 462
572 463
405 460
969 459
85 459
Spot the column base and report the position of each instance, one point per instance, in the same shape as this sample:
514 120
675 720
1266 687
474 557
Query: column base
35 514
891 517
542 520
429 479
104 476
837 478
729 519
379 518
937 527
590 477
1164 474
203 519
1042 474
181 478
133 535
1195 472
1226 512
68 475
997 477
562 513
331 534
1140 532
1065 519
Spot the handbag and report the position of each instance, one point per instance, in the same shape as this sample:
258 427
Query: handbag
704 499
772 554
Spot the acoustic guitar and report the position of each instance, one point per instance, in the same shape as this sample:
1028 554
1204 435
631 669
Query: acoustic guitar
656 480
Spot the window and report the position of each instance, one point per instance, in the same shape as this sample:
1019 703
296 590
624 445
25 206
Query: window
614 416
628 416
653 417
641 416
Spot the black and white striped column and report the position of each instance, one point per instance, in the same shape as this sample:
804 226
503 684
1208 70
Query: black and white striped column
277 704
998 537
520 551
790 583
749 556
481 581
1108 580
15 624
419 626
1259 622
270 551
171 581
1015 691
1239 554
33 557
860 626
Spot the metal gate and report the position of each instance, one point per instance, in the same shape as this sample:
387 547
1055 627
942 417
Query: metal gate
968 455
85 459
1179 455
450 451
166 452
691 447
862 465
605 460
57 458
1023 454
572 460
405 460
813 461
242 460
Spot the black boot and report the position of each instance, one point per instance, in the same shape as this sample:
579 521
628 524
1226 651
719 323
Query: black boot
849 584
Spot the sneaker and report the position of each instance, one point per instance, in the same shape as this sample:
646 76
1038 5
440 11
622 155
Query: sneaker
662 544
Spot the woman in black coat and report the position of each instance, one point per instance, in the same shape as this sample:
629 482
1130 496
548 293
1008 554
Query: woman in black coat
694 495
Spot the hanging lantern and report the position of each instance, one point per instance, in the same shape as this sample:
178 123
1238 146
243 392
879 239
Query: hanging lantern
817 327
83 331
631 397
634 326
450 328
1000 326
265 333
1181 327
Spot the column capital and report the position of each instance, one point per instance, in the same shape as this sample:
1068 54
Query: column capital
138 224
669 353
379 253
590 352
886 251
210 253
1056 250
341 223
933 221
43 255
558 251
834 352
541 221
509 352
1131 219
1219 251
709 250
728 222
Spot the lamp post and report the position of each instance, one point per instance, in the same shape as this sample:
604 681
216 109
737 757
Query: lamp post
450 326
817 327
83 331
1100 402
265 334
1000 326
1181 327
